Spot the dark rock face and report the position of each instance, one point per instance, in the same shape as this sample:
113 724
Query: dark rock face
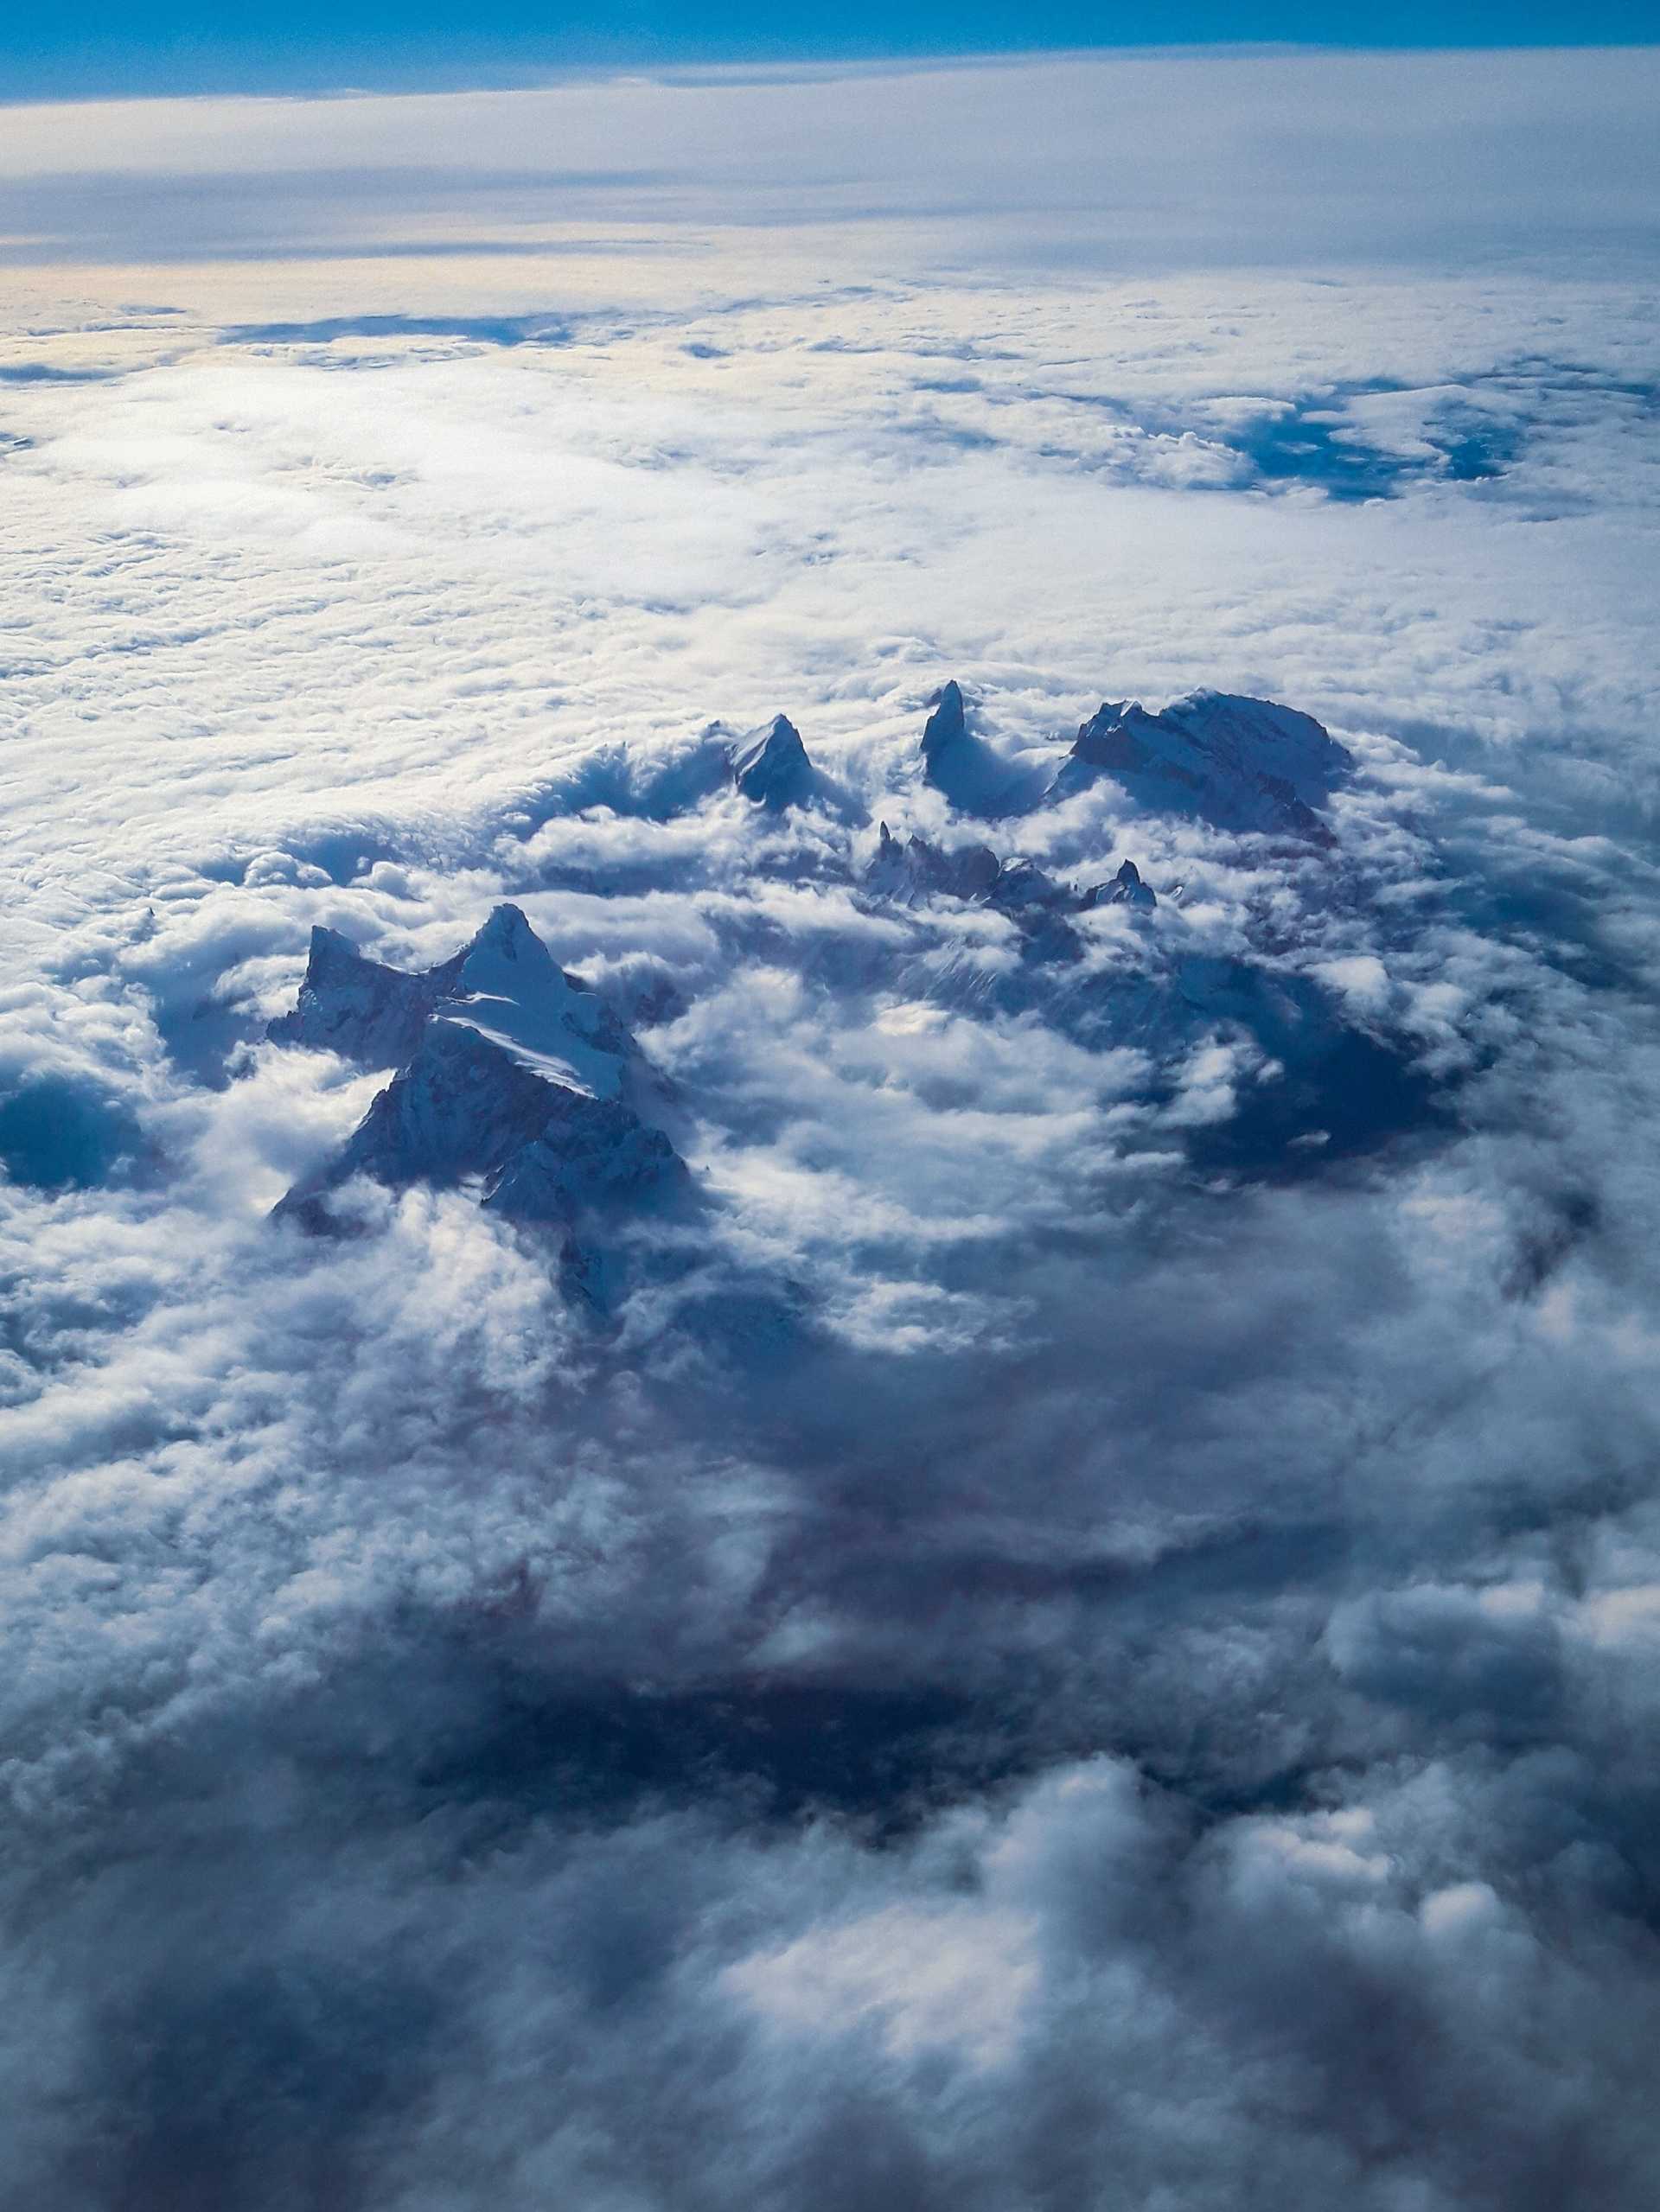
591 1155
962 767
945 728
773 770
460 1107
918 869
1022 883
1126 888
358 1008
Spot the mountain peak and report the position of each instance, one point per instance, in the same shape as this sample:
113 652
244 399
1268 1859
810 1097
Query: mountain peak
773 769
508 1070
971 774
353 1005
1241 763
507 927
504 984
947 722
1126 888
508 987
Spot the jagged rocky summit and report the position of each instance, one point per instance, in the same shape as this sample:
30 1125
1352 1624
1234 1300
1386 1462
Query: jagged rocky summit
972 775
773 770
503 983
1247 766
511 1076
944 731
1239 763
918 869
1127 888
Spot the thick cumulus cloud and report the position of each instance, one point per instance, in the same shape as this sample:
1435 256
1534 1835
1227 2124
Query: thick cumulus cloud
1088 1624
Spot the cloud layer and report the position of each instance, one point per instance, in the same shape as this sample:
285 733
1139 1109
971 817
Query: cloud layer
1148 162
1055 1643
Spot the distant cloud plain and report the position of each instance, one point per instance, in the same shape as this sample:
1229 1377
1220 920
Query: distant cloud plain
1254 1599
1079 160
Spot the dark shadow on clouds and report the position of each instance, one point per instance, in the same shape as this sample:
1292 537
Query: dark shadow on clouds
59 1132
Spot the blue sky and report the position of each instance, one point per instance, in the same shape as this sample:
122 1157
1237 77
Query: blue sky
201 45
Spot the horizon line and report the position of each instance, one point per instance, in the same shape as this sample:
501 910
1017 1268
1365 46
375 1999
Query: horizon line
783 69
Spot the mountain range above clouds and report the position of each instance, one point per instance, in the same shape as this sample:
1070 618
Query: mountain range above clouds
1247 766
514 1080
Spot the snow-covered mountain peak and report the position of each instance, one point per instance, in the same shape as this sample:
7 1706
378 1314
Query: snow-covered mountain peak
506 933
1241 763
510 1073
510 989
503 984
773 769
